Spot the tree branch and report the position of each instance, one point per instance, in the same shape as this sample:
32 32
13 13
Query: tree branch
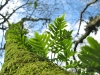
89 28
4 4
32 19
6 19
16 10
83 12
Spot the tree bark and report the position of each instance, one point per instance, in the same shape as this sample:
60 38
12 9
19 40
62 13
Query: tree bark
20 61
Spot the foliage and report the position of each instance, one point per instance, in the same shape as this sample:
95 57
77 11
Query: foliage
20 61
90 56
40 44
61 41
56 40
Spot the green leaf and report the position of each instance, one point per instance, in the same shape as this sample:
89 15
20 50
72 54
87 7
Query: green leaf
61 39
37 36
89 50
93 43
90 55
61 57
41 43
83 60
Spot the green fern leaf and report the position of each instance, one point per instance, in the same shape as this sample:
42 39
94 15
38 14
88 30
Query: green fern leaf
93 43
90 55
40 43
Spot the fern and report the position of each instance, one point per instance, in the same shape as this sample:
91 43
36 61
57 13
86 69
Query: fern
40 43
61 41
56 40
90 55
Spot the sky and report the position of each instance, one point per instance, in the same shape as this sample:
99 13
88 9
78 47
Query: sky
72 16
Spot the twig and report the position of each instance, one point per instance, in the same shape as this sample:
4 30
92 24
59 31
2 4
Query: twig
4 4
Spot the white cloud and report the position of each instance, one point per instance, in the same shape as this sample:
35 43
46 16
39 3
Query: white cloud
68 26
81 31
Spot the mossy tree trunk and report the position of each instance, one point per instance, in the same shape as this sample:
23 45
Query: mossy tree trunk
19 61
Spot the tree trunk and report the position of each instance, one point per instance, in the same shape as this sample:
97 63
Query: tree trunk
19 61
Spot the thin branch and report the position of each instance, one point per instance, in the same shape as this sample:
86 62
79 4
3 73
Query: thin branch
4 4
4 28
33 19
16 10
83 12
6 19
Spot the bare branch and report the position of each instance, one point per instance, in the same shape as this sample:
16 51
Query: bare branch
88 31
32 19
6 19
83 12
16 10
4 28
4 4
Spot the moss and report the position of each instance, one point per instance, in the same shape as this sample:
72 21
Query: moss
19 61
